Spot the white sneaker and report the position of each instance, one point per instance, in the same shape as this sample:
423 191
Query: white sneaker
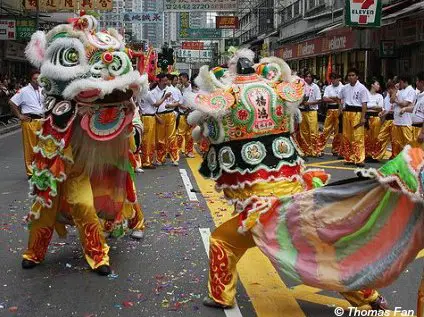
158 164
139 170
137 234
175 163
190 155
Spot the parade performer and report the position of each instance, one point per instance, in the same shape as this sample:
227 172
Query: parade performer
184 130
373 125
82 166
332 118
338 237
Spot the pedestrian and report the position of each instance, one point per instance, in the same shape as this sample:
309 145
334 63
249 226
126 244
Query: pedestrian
332 119
402 130
27 105
385 135
354 95
372 127
308 130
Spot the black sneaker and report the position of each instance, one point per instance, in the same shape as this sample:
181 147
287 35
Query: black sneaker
28 264
103 270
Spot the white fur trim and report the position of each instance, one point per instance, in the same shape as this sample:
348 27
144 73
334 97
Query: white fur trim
204 80
197 134
36 48
106 86
54 70
284 68
243 52
195 117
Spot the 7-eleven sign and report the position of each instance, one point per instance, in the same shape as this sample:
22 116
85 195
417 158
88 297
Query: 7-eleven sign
363 13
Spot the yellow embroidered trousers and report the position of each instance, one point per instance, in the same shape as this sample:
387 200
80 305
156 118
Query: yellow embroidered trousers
331 127
371 136
402 135
203 145
77 193
29 140
148 146
308 133
184 137
166 141
416 131
227 246
353 143
383 139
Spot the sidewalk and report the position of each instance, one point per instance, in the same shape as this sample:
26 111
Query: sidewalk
12 126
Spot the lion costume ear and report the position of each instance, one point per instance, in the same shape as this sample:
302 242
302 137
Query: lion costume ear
36 48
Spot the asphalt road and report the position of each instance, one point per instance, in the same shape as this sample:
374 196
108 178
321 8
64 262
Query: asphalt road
163 275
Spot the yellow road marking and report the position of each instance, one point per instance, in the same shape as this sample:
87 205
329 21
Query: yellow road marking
268 293
327 162
420 255
332 167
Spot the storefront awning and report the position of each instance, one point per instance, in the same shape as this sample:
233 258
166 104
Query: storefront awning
335 26
414 8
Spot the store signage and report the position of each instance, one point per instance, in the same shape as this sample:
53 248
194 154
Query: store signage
194 54
363 13
24 29
68 5
333 42
387 49
227 22
232 42
7 29
193 45
204 6
200 34
143 17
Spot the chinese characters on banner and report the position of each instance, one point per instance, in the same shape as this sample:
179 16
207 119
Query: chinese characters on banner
24 29
143 17
69 5
192 45
365 13
196 5
227 22
186 32
195 54
7 29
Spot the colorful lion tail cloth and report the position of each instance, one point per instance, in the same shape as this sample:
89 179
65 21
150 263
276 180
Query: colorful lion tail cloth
354 235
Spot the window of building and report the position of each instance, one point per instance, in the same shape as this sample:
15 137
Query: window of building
296 8
314 3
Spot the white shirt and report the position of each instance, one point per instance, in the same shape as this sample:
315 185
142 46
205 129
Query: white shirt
313 93
388 106
375 101
184 91
354 95
30 101
418 113
156 94
146 106
333 91
407 94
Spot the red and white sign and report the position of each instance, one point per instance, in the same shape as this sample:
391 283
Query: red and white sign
227 22
7 29
192 45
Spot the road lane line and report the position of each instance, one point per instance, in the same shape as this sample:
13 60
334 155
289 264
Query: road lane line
188 186
332 167
267 292
2 136
235 310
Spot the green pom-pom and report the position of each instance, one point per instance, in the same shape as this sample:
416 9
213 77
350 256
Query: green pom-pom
317 182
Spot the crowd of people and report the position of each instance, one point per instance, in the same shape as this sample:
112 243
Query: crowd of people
8 87
164 113
363 119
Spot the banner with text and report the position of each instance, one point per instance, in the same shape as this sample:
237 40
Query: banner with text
363 13
227 22
193 45
202 54
143 17
196 5
7 29
68 5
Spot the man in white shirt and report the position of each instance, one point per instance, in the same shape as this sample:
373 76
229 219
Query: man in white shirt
28 105
184 130
417 112
354 96
402 131
334 109
308 129
166 99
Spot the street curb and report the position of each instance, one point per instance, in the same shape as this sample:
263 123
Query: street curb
10 128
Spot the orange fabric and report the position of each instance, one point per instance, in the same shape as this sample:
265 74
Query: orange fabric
353 143
331 127
166 141
371 136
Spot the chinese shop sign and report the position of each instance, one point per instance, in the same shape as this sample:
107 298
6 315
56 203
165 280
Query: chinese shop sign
192 45
24 29
227 22
7 29
143 17
68 5
196 5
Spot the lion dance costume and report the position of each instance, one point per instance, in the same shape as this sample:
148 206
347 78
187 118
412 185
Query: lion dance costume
84 166
350 237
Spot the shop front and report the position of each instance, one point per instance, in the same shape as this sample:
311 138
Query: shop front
343 45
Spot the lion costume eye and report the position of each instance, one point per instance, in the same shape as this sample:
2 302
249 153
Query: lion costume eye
67 57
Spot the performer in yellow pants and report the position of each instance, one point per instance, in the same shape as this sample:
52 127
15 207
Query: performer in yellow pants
166 138
384 137
371 133
29 140
148 145
402 135
331 127
227 246
79 199
353 136
184 137
308 133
